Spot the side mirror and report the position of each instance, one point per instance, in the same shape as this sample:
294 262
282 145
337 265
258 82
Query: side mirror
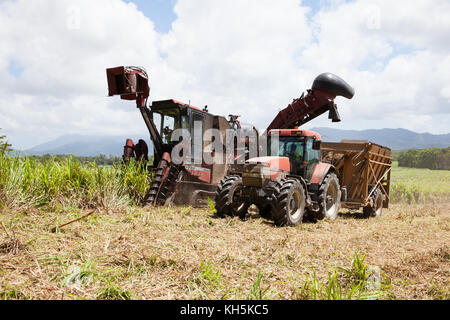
316 144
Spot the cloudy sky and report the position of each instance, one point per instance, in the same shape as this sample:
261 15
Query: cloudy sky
247 57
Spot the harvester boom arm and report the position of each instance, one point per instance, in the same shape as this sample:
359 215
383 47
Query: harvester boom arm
318 100
154 134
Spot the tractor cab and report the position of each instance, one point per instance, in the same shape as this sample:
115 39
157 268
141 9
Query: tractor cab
170 115
302 147
290 152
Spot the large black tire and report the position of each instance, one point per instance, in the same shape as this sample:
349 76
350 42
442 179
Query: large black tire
226 201
329 198
377 209
291 202
266 209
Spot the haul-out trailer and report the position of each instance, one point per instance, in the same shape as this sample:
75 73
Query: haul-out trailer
364 171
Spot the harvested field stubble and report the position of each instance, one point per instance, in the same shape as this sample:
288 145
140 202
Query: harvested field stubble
113 249
186 253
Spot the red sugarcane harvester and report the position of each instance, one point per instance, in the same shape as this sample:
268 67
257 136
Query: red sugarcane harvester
296 180
177 183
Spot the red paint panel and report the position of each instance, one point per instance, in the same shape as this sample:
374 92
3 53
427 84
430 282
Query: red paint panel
275 163
295 133
319 172
185 104
201 173
274 175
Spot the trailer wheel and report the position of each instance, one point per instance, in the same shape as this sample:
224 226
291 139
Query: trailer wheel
227 200
329 198
377 208
290 203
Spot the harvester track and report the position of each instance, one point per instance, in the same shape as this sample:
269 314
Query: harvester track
163 183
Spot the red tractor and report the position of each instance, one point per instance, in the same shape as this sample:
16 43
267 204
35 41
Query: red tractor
292 180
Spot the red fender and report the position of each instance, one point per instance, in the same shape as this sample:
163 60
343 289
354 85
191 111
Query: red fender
320 172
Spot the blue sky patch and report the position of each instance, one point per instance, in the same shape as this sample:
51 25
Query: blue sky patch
313 4
159 11
14 68
162 14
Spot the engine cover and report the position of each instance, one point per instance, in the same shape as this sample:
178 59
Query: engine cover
259 172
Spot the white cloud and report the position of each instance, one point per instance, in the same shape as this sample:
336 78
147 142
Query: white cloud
238 56
365 41
63 86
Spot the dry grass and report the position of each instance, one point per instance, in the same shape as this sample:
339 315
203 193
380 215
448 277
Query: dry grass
185 253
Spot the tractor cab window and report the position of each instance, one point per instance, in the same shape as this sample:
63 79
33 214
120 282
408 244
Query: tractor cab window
312 158
166 121
293 148
168 127
197 129
185 122
157 120
288 146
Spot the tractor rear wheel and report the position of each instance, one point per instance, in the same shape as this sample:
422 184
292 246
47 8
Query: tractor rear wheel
291 202
329 198
227 200
377 208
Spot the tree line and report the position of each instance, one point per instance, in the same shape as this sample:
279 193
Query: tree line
100 160
432 158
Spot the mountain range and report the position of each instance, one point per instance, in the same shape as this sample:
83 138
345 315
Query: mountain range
396 139
81 145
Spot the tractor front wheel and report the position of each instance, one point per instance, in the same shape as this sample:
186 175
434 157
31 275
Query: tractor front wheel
228 200
291 202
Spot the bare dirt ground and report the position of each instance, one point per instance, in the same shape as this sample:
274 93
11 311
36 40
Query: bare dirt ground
185 253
